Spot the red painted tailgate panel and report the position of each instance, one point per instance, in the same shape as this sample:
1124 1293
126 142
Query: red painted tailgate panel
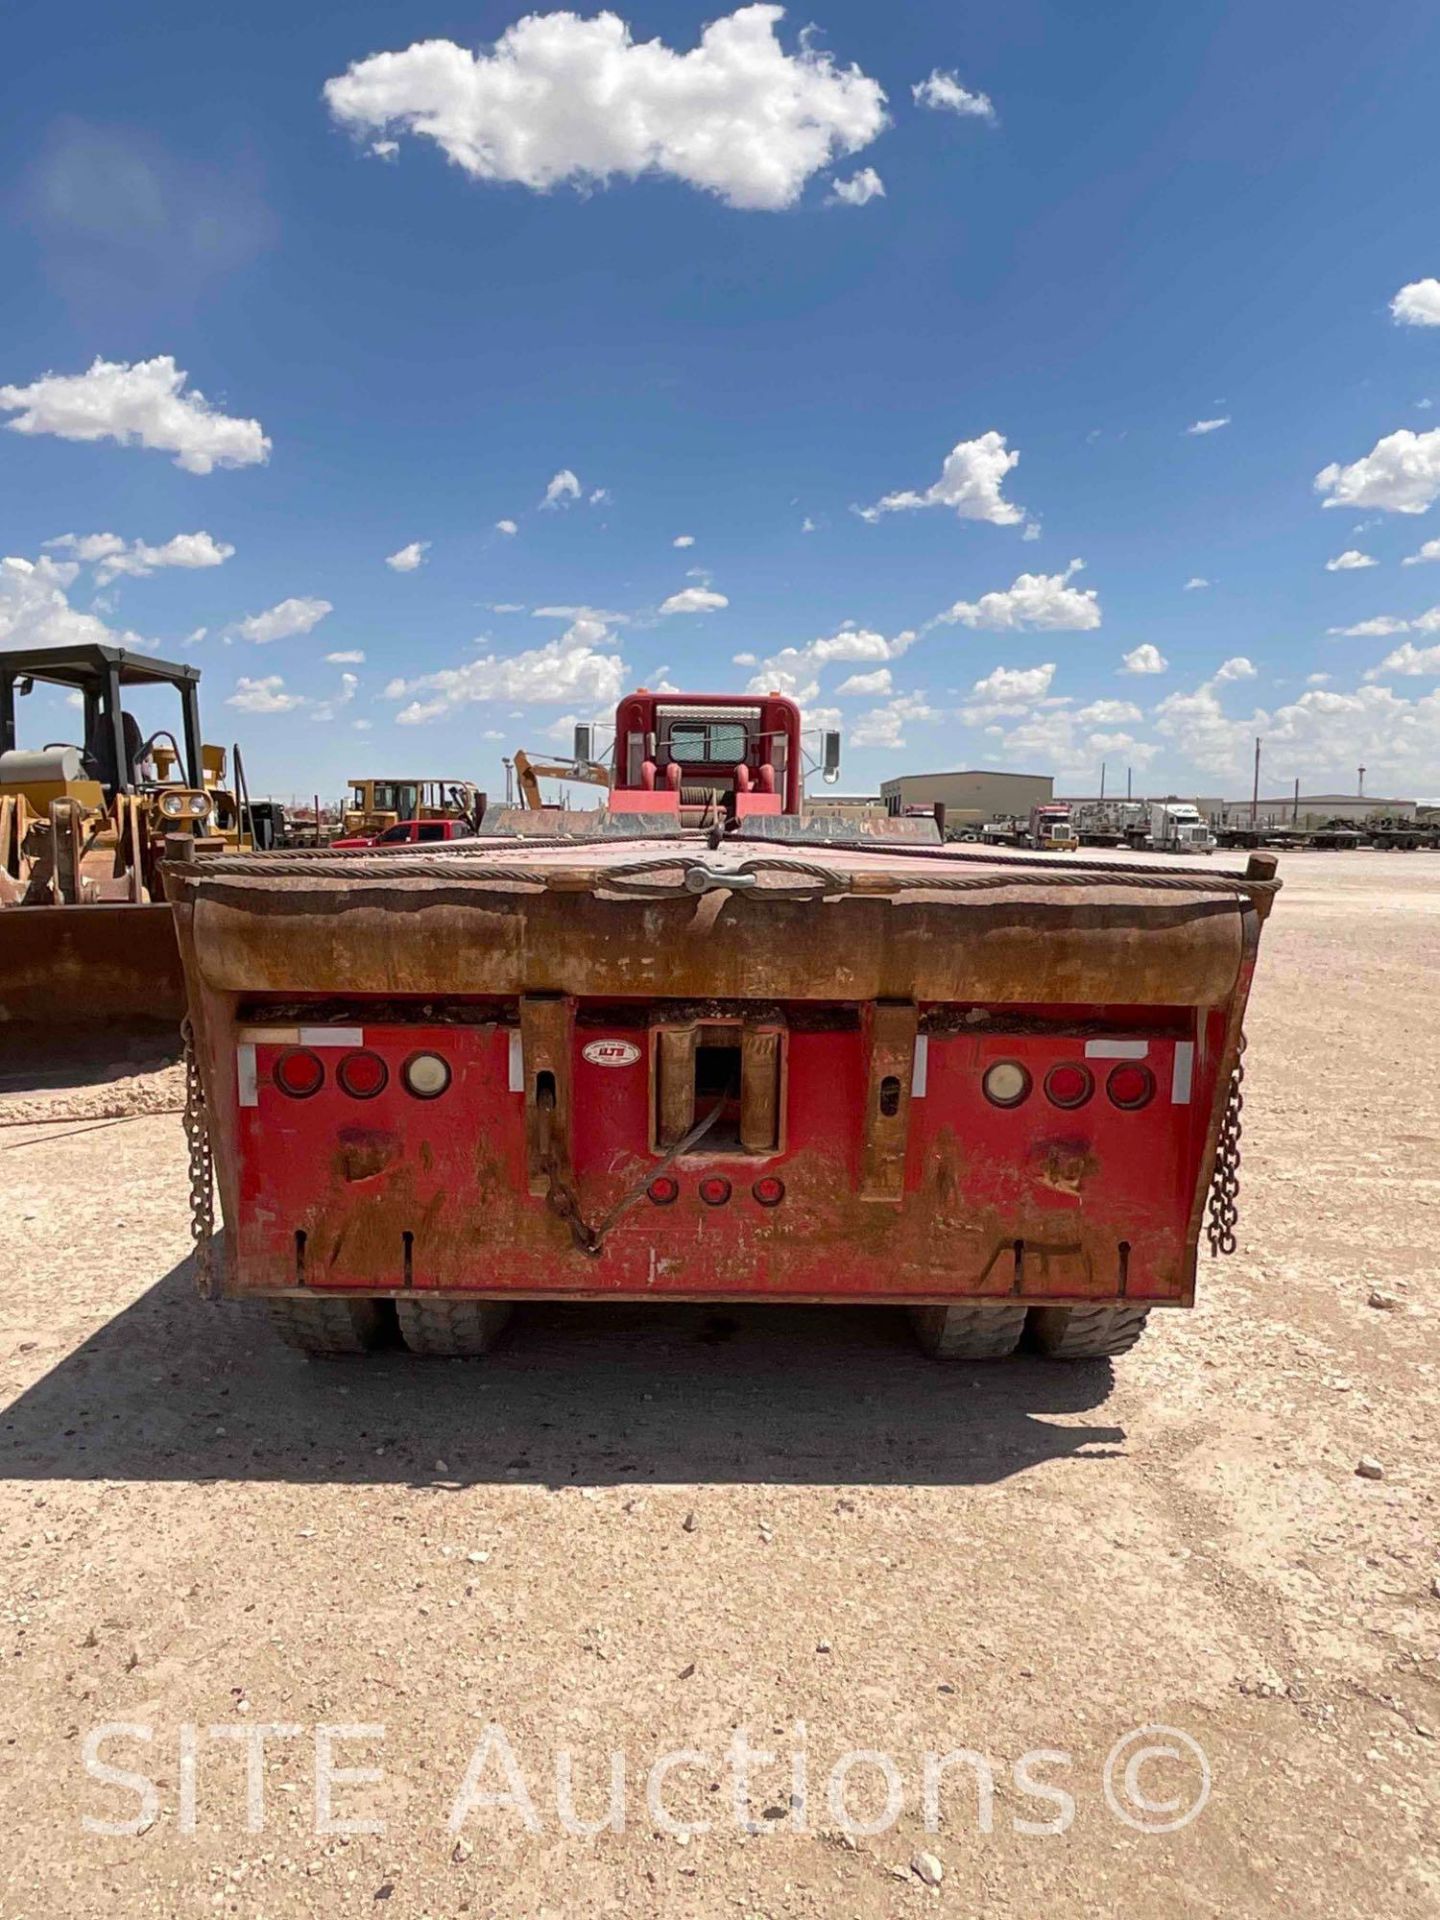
434 1194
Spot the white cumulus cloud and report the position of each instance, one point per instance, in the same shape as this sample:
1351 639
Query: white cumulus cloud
1144 659
1350 561
796 670
1408 659
1418 305
560 98
35 610
1327 733
1008 693
870 685
859 189
327 709
1020 686
970 483
145 405
683 540
408 558
283 622
111 556
944 92
1235 668
573 668
506 527
351 657
1376 629
1209 426
564 488
1109 713
694 600
1195 583
1038 602
1430 551
884 726
264 696
1400 474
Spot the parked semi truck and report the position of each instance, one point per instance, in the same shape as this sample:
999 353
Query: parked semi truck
1051 828
1177 826
744 1060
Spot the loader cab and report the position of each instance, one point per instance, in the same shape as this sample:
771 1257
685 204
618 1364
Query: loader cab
112 752
87 803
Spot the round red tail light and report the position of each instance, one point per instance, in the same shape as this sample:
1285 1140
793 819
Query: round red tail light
664 1191
1006 1084
1131 1085
362 1075
714 1190
299 1073
769 1191
1069 1084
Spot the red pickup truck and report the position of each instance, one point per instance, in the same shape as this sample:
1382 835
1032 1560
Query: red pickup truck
408 832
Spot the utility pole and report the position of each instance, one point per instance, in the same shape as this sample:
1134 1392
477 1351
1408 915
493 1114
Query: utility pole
1255 790
509 789
1295 812
1128 772
1361 794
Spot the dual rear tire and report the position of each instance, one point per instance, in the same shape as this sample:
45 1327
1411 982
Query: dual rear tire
989 1330
330 1328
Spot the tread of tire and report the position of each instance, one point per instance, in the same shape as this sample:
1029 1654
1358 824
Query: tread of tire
1086 1333
454 1329
969 1332
326 1327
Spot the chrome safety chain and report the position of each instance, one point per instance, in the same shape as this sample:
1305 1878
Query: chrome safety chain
202 1179
1225 1181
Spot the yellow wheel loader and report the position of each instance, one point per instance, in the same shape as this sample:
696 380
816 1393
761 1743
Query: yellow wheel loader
85 934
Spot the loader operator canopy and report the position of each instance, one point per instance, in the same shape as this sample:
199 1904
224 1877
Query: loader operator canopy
112 748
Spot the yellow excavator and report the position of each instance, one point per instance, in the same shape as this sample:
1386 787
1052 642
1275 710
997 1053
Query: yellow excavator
529 772
85 934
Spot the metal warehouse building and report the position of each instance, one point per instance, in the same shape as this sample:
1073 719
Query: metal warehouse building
969 797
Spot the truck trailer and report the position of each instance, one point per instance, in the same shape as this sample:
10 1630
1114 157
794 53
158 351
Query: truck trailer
753 1059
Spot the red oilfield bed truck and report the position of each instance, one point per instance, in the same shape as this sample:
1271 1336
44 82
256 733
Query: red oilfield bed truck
696 1047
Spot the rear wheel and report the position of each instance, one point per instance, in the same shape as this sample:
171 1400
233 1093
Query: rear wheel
1086 1333
324 1328
455 1329
974 1331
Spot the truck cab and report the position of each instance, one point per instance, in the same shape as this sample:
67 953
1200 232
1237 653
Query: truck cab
697 758
1051 829
1177 826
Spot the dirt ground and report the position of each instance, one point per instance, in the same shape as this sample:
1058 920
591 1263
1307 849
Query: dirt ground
638 1532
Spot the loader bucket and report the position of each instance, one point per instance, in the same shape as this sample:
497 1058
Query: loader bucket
110 961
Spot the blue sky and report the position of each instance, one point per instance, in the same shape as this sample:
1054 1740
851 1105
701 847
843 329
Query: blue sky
1098 228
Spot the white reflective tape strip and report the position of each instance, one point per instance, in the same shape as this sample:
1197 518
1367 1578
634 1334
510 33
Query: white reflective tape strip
269 1036
517 1062
919 1073
332 1036
1117 1049
247 1087
1183 1072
